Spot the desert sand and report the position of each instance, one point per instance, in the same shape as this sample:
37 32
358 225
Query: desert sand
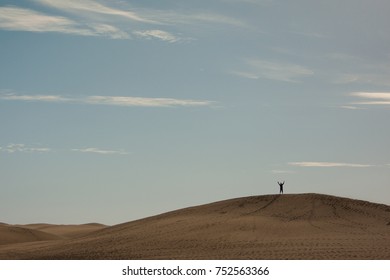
290 226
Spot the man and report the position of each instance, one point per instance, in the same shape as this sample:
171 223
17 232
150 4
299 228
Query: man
281 187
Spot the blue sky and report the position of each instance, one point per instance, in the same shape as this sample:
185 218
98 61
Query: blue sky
116 110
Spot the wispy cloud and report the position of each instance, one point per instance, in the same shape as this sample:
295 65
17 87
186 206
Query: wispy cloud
372 98
350 69
101 29
327 164
351 107
20 19
247 75
100 151
22 148
42 98
311 34
110 100
256 2
144 102
276 171
208 18
285 72
111 19
158 34
90 6
378 77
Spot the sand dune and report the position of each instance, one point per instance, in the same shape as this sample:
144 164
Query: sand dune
66 231
12 234
297 226
15 234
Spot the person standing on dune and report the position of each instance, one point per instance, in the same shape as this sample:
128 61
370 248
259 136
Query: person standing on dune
281 187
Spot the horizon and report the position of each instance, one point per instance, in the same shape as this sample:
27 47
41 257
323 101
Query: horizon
112 111
199 205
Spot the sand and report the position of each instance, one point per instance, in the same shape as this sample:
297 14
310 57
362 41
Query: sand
13 234
290 226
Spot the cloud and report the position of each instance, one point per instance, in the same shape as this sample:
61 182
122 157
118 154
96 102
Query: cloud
327 164
282 172
247 75
285 72
208 18
43 98
256 2
310 34
350 69
108 31
110 100
351 107
144 102
22 148
158 34
377 77
372 98
20 19
100 151
111 19
89 6
146 16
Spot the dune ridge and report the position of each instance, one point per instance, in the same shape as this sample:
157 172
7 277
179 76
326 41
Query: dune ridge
16 234
290 226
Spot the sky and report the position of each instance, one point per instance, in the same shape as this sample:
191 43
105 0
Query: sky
111 111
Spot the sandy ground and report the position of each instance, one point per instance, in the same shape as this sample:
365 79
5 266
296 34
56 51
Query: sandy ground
13 234
291 226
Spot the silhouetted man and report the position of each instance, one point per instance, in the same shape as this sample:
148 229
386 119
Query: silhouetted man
281 187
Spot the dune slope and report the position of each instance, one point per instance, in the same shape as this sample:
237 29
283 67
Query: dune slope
15 234
296 226
66 231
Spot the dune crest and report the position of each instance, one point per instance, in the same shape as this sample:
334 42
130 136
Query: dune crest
293 226
15 234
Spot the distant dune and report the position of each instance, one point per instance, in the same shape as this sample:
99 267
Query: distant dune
15 234
67 231
290 226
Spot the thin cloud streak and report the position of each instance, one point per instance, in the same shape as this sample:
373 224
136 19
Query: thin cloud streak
20 19
211 18
375 98
100 151
42 98
22 148
285 72
327 164
282 172
147 16
94 7
365 71
93 18
144 102
157 34
255 2
110 100
351 107
247 75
